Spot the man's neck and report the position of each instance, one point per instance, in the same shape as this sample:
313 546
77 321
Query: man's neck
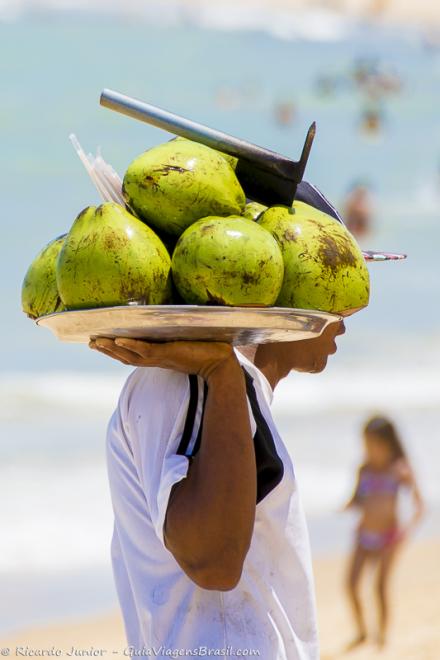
248 351
264 357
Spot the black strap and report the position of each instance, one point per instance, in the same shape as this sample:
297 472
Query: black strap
190 415
199 434
270 468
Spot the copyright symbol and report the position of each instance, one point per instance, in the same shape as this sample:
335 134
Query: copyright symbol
5 651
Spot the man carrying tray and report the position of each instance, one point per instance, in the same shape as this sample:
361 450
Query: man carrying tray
210 549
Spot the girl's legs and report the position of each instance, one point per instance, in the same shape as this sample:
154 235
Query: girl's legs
355 569
385 562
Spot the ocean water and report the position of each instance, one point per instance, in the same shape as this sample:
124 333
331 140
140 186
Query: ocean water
229 70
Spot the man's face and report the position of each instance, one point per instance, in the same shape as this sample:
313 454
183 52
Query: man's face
311 355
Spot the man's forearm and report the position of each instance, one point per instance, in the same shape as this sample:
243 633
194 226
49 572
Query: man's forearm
211 513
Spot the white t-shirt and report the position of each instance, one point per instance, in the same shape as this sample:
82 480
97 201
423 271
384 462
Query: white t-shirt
271 612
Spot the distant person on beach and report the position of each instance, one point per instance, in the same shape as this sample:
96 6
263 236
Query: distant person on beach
371 121
326 85
384 472
284 113
376 79
228 98
358 210
210 549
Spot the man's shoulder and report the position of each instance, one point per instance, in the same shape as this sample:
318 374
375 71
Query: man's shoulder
154 380
153 385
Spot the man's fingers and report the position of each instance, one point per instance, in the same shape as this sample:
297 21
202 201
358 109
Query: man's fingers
184 356
128 355
109 346
142 348
111 354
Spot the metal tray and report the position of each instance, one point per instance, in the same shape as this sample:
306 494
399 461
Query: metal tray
236 325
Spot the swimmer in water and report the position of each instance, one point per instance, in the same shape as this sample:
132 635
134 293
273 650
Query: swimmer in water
358 210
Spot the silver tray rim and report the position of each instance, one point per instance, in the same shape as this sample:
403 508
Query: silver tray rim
215 318
208 309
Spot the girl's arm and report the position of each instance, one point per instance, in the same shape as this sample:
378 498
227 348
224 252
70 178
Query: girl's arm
418 503
408 478
354 499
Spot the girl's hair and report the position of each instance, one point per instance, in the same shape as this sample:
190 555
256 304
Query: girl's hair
385 430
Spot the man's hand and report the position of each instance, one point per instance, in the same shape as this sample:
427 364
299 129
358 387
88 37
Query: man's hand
190 357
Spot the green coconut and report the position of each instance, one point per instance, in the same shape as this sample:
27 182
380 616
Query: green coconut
324 267
232 160
39 293
227 261
176 183
112 258
253 210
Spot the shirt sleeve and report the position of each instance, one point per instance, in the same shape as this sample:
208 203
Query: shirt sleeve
155 416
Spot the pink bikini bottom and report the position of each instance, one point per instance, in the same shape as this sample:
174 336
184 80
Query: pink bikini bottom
375 541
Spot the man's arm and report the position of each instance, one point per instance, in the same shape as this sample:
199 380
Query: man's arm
210 515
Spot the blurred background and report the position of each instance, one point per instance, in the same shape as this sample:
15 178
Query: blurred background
369 73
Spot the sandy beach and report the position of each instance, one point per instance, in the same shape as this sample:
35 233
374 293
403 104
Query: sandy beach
415 632
425 13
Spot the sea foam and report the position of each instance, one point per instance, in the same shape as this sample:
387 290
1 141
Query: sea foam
315 24
343 388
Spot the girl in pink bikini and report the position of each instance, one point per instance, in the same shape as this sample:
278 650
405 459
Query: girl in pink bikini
385 471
